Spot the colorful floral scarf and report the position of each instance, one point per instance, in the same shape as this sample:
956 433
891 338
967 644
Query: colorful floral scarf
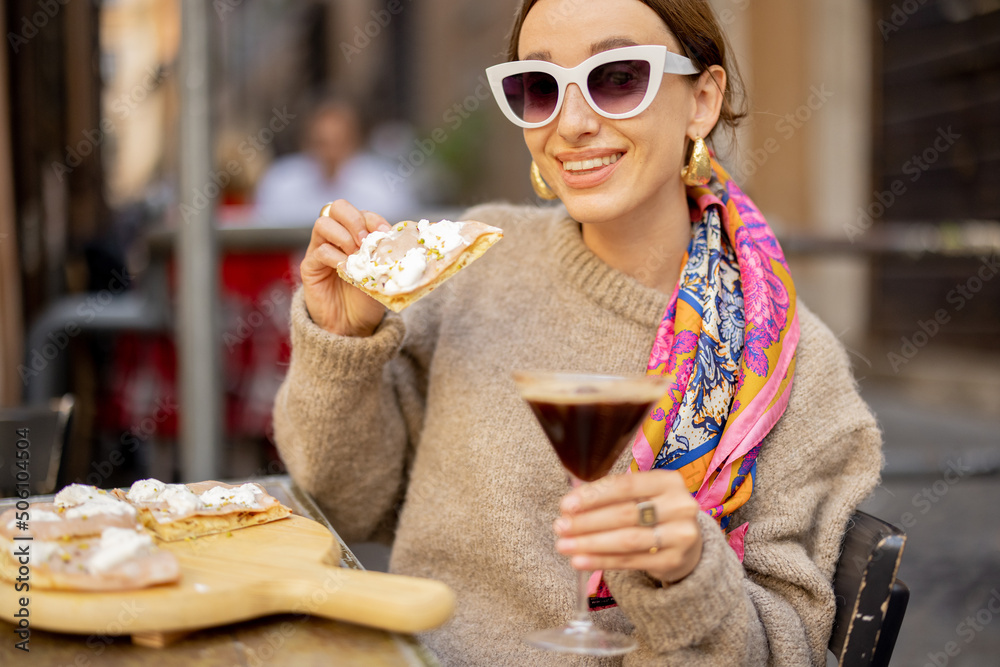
728 340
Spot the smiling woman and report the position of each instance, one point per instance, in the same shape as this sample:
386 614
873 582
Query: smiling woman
618 175
715 536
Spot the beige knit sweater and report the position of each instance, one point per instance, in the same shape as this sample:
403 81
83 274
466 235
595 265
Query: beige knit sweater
417 433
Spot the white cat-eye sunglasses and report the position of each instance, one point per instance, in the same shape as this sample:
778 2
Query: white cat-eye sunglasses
617 83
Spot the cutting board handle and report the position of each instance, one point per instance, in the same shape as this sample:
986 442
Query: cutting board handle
389 601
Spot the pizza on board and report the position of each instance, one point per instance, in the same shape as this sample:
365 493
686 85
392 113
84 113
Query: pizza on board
179 511
85 540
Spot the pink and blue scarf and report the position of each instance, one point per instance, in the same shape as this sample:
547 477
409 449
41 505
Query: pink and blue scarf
727 339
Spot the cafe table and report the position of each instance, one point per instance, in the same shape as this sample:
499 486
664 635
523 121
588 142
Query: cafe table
287 639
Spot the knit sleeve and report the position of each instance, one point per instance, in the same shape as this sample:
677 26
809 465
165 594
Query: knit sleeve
346 414
776 608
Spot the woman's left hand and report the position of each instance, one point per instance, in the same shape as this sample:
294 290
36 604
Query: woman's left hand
600 528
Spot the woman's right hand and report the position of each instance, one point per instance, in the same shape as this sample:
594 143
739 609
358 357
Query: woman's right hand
333 304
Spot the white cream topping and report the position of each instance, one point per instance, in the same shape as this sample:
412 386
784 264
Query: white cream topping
35 515
81 500
358 264
77 494
405 274
145 490
116 546
247 495
179 499
443 236
592 163
39 551
100 506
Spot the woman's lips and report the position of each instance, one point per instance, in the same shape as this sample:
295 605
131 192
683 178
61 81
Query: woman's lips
588 173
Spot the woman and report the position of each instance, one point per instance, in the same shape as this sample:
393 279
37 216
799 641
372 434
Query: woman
410 427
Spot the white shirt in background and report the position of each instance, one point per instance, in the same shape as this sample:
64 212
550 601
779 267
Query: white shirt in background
294 189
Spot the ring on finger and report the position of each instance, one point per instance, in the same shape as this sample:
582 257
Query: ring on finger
656 538
647 513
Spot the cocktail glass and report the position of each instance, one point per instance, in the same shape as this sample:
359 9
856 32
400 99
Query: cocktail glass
589 419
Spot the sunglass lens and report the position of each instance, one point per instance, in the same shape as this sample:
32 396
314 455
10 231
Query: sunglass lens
532 96
620 86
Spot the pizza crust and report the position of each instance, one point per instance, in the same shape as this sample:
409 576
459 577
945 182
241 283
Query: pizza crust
200 525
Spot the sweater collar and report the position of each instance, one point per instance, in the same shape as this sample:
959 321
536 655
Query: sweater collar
608 287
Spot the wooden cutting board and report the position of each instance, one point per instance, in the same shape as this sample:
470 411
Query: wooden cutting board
273 568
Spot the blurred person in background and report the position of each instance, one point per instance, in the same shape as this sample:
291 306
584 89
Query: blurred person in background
333 165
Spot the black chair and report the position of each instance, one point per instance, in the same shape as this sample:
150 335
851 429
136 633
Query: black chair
871 602
47 429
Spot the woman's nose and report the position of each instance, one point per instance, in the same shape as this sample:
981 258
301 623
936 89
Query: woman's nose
576 118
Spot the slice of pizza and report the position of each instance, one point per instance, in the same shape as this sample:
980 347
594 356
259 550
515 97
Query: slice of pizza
78 510
178 511
406 263
87 539
116 559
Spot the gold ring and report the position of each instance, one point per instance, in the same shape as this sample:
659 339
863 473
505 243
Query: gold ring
325 211
656 537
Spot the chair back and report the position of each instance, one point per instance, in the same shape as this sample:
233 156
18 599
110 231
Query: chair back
870 600
32 438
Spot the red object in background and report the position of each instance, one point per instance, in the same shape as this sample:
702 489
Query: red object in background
256 295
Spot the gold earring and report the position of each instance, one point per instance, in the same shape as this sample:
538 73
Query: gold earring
541 188
699 168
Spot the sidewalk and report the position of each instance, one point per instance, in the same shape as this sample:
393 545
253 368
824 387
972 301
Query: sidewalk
941 484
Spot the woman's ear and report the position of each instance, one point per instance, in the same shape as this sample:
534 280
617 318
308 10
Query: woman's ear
709 92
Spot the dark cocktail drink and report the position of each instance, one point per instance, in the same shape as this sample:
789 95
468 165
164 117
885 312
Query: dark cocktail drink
588 437
589 419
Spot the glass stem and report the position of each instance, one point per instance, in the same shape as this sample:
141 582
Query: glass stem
582 620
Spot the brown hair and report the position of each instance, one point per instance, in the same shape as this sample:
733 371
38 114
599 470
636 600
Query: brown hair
694 24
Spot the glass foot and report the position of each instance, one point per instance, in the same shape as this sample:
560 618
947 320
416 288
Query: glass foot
586 640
